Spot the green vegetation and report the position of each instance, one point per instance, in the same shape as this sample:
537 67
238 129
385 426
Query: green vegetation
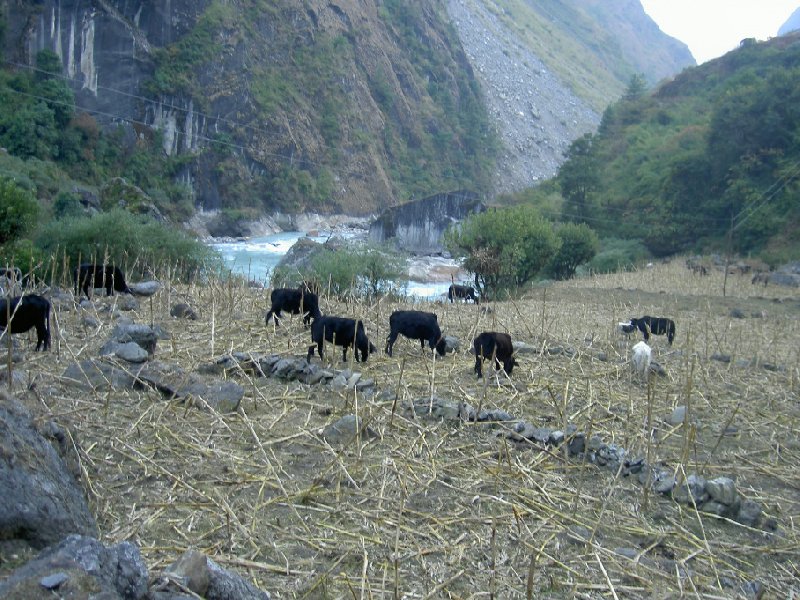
504 248
578 245
712 153
348 273
125 239
18 211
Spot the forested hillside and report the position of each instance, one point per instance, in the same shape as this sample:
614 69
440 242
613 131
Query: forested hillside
257 107
709 160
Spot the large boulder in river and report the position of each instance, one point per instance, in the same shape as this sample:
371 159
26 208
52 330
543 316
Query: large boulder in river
42 501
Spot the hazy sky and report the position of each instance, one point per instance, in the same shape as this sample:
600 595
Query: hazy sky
713 27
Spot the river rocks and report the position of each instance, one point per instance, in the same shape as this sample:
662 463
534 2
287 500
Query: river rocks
142 335
80 567
42 502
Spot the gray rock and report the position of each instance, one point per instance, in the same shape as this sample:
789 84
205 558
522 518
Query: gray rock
364 384
749 513
692 491
131 352
191 569
182 311
118 571
224 585
42 502
737 313
132 332
753 590
440 408
495 414
174 382
524 348
127 303
576 534
97 374
338 382
345 430
678 416
451 344
145 288
723 358
722 489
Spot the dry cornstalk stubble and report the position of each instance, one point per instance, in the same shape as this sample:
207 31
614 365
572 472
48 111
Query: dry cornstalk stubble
447 508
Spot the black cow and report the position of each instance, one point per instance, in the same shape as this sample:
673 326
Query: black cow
294 302
464 292
89 276
656 326
26 312
415 325
342 332
491 343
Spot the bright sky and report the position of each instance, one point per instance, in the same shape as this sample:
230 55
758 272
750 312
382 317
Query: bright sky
713 27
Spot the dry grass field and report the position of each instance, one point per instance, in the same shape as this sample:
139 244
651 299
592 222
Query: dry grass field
447 509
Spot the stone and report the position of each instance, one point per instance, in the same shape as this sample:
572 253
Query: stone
183 311
345 430
440 408
692 491
723 358
722 489
191 569
678 416
42 502
145 288
749 513
451 344
127 303
118 571
132 332
131 352
97 374
225 585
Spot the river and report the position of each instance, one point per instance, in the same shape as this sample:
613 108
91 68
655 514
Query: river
255 258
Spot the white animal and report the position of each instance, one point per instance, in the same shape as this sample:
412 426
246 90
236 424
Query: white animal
641 358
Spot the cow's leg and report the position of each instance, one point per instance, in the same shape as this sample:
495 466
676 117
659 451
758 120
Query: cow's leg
390 342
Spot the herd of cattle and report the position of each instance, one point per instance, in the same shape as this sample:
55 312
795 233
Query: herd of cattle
30 311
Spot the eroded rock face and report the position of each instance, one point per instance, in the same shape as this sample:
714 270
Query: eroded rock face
42 502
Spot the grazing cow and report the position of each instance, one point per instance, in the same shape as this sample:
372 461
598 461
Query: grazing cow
92 276
416 325
464 292
342 332
295 302
656 326
491 343
626 328
26 312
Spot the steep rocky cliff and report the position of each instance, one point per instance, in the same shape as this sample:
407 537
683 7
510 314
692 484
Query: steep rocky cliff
349 105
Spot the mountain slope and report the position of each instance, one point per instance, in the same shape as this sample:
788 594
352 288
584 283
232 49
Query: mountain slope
346 105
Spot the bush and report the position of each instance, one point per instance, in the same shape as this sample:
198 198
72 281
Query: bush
504 248
579 244
347 272
618 255
127 240
19 211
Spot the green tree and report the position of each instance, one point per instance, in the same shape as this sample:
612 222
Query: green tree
504 248
19 210
579 244
578 177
